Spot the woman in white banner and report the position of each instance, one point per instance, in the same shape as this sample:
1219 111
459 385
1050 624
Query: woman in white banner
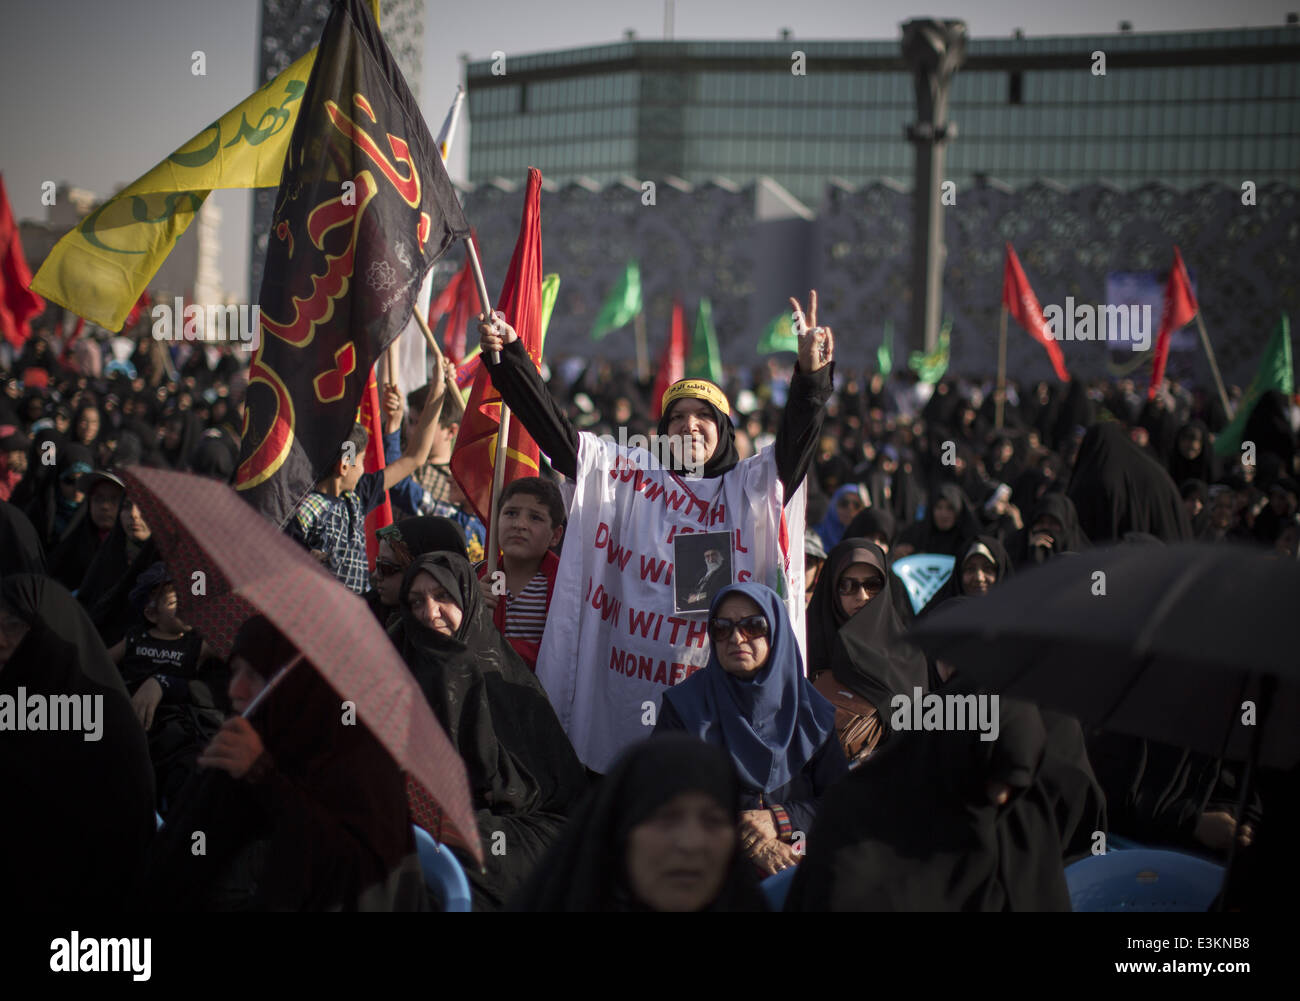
614 641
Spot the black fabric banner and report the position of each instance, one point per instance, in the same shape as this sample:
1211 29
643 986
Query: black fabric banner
365 207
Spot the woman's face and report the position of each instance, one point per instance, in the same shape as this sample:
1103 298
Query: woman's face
388 575
245 684
741 653
433 606
1189 445
105 499
677 858
847 507
133 522
87 425
858 583
978 574
945 515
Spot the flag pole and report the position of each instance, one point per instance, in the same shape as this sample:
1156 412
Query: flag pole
642 358
503 430
448 383
1214 365
1000 398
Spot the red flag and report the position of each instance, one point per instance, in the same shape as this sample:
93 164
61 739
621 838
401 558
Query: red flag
142 305
460 299
1019 300
372 419
1179 309
521 301
672 365
18 303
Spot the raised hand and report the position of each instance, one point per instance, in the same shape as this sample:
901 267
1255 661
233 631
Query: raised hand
495 333
816 344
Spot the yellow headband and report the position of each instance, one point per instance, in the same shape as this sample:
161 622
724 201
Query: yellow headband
695 389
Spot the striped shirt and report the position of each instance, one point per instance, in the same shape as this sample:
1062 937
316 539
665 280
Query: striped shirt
526 614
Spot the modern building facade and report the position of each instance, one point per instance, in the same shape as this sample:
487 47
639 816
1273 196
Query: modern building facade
1180 108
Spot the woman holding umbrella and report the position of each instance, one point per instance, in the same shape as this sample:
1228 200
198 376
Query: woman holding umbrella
299 810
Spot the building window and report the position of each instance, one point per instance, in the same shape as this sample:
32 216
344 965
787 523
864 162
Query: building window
1016 88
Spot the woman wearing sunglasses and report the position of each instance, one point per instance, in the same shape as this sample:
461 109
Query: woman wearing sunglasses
400 545
856 655
753 701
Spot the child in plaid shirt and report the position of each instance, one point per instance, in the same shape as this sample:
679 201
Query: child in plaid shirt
331 520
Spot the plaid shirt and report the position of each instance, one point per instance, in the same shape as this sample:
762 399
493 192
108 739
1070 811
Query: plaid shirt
436 480
337 526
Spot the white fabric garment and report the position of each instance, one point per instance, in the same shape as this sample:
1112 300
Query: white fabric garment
613 644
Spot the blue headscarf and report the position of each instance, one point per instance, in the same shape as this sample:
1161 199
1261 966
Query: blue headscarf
831 529
772 724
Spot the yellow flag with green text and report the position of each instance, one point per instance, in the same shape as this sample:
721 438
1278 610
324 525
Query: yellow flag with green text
101 267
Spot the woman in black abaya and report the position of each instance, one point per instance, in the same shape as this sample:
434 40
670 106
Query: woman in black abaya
1052 528
78 812
594 865
299 811
1117 489
870 663
524 775
983 564
942 821
949 524
20 546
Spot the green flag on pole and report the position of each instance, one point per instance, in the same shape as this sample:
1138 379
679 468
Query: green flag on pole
779 336
622 304
930 368
1274 372
885 353
704 360
550 290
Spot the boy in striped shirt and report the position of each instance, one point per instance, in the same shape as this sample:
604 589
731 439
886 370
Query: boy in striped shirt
532 522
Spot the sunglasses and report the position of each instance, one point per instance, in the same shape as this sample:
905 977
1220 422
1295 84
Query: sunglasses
750 627
868 585
385 569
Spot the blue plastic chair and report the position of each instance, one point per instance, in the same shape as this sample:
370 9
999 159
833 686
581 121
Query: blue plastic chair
923 574
776 888
442 873
1143 879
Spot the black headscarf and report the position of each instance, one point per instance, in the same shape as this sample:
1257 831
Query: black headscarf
586 869
106 589
320 824
913 829
1117 489
523 773
724 453
1203 467
924 537
1070 539
983 545
870 656
20 547
825 615
432 534
78 813
872 521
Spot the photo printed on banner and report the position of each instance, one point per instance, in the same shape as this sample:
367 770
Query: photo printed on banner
701 568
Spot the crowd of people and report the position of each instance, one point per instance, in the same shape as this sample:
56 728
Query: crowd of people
674 778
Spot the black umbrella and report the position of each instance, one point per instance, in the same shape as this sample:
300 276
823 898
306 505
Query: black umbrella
1180 639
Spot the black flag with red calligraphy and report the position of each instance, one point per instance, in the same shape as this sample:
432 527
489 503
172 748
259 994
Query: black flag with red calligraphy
365 207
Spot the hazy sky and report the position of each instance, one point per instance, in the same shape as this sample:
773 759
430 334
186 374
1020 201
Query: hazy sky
98 91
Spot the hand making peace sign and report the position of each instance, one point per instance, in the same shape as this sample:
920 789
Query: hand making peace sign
816 344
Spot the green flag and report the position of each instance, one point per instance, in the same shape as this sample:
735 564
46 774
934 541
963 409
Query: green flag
622 304
1274 372
704 361
550 290
885 353
779 336
931 367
